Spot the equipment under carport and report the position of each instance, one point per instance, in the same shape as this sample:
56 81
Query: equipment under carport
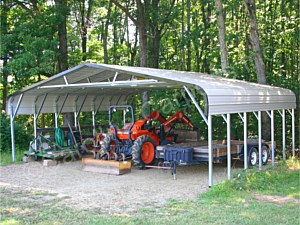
191 153
43 147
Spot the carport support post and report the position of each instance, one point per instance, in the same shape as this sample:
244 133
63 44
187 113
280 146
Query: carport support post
12 127
12 131
56 120
94 124
283 134
272 138
75 120
228 148
210 155
35 116
245 142
293 132
259 141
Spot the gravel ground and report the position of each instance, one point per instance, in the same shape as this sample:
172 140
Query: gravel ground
110 193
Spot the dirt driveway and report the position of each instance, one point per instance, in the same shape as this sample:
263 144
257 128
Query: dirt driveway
110 193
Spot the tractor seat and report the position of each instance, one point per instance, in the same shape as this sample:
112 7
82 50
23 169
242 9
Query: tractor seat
127 126
123 131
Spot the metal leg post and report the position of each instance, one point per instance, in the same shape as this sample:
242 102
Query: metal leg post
293 132
228 148
272 138
259 141
283 135
245 142
94 124
210 155
12 131
35 117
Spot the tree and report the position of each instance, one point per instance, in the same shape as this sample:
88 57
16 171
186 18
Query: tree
83 13
62 12
4 51
222 35
152 33
255 42
258 58
141 23
105 35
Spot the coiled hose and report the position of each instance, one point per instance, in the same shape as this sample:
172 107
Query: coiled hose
59 137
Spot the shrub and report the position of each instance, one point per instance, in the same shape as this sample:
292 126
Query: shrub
22 138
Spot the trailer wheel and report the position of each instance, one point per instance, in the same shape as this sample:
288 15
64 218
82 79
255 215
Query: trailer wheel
253 157
264 155
109 144
143 151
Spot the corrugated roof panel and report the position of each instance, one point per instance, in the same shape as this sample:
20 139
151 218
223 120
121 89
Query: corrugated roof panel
223 95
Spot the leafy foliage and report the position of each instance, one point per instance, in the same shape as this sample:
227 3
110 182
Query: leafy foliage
22 138
185 31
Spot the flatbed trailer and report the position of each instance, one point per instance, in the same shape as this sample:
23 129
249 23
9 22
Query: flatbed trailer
197 152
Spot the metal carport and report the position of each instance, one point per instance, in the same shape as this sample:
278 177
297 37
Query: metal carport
93 87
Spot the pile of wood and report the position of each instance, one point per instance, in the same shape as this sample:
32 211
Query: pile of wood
218 151
187 135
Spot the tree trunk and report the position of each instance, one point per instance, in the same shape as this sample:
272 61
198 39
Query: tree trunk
85 22
258 58
156 36
155 50
255 42
283 56
5 85
188 43
222 35
206 13
143 39
105 35
142 29
62 11
115 41
183 36
4 57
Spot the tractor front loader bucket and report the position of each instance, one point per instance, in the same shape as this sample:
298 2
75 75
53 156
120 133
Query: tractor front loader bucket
106 166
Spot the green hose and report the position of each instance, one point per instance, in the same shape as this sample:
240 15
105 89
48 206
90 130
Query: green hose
59 137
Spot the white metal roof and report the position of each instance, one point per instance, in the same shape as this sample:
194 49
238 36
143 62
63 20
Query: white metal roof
89 87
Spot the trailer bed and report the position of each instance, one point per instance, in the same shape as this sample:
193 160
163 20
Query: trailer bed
200 150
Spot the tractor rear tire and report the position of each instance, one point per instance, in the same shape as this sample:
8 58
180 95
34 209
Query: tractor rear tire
109 145
143 151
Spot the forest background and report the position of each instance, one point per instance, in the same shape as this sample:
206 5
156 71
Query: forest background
40 38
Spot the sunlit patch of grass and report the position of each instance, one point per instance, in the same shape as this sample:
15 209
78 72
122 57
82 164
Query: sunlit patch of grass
11 210
10 221
293 163
278 181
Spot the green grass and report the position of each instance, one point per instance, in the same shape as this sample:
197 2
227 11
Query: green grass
230 202
6 157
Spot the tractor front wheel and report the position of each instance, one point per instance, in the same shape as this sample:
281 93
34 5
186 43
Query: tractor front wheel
109 144
143 151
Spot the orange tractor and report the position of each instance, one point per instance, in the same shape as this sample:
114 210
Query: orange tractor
138 139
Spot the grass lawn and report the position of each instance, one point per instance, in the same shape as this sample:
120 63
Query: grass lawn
6 158
256 197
